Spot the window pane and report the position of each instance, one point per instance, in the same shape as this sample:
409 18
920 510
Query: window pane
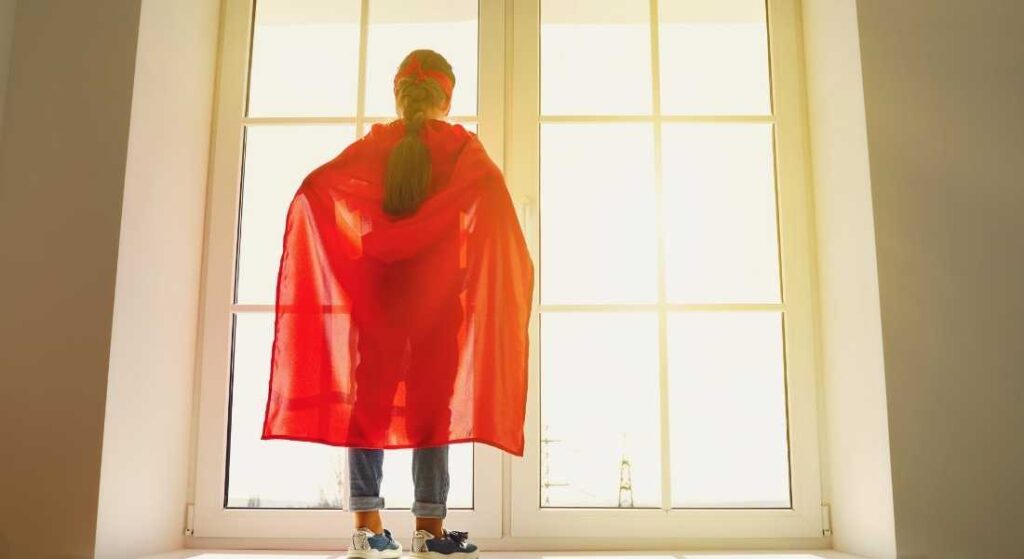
399 26
599 376
721 242
305 58
275 473
277 159
597 210
595 57
714 57
728 410
294 474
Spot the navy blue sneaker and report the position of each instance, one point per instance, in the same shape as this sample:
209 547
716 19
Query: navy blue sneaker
451 545
367 545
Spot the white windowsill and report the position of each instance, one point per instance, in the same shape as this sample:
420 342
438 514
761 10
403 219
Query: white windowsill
340 554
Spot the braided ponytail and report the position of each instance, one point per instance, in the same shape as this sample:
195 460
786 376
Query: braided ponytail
407 180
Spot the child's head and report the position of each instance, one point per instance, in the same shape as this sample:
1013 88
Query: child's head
423 85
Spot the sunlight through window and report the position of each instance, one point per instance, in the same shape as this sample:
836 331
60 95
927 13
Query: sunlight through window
668 206
305 64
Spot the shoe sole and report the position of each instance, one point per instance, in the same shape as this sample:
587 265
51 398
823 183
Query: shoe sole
376 553
435 555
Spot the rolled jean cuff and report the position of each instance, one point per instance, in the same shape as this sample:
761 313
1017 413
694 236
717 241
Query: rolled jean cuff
365 503
429 510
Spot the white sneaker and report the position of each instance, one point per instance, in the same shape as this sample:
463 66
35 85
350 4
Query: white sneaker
367 545
451 545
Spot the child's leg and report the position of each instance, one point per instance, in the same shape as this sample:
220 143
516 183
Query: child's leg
430 477
366 471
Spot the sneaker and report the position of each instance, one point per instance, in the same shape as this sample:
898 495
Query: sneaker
367 545
451 545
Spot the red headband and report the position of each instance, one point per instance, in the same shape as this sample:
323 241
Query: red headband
414 68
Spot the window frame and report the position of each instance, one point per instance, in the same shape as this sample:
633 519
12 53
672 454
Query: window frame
506 489
211 519
797 267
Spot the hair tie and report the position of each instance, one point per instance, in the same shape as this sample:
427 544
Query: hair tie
415 68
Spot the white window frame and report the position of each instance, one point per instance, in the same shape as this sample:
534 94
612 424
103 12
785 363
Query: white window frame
211 518
507 489
803 519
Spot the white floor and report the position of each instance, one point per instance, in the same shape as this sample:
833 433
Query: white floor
235 554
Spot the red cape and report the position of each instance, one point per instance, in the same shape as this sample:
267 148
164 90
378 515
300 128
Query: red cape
408 332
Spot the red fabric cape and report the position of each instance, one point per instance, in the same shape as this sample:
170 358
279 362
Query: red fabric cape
402 332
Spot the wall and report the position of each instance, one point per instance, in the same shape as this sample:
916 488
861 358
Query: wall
7 8
146 442
857 467
103 173
62 169
944 99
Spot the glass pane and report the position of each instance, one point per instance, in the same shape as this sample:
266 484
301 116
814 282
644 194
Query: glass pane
294 474
399 26
305 58
728 410
721 243
276 473
595 57
600 434
714 57
277 159
597 212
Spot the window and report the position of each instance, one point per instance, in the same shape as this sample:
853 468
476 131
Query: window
305 64
674 370
655 151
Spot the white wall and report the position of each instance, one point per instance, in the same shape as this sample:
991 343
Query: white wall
103 168
858 481
146 440
62 162
944 99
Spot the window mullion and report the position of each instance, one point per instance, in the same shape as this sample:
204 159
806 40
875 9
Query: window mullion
666 472
364 27
721 118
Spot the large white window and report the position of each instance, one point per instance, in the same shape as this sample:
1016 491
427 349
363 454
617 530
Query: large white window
655 152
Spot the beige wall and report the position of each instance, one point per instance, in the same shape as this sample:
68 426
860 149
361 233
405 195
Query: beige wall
62 163
6 39
944 98
103 169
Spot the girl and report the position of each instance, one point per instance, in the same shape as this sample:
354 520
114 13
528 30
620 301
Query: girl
403 300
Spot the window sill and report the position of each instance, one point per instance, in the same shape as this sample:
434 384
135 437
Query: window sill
338 553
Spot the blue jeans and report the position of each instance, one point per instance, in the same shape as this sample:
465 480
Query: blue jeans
429 475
